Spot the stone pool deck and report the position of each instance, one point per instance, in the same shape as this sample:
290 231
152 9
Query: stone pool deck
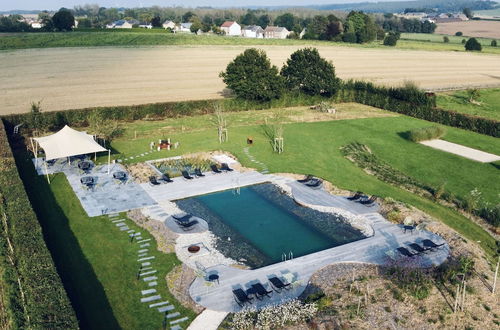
377 249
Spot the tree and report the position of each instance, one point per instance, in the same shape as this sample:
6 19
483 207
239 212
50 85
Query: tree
473 94
362 25
264 21
459 34
286 20
472 44
63 20
308 72
249 18
188 16
493 43
390 40
446 39
251 76
468 12
156 21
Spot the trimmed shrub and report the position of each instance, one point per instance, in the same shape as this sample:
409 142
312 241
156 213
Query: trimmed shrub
35 295
446 39
390 40
426 133
493 43
473 45
459 34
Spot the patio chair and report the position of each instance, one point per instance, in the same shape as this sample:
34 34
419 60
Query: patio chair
278 285
186 226
405 252
166 178
260 291
314 183
241 297
197 172
215 169
356 196
430 244
153 181
367 201
182 218
308 178
186 175
418 248
224 167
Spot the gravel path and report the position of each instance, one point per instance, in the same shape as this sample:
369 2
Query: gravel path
460 150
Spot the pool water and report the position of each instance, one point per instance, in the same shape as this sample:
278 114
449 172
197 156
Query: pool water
259 224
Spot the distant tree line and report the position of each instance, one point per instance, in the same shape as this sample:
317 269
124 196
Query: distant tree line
62 20
401 24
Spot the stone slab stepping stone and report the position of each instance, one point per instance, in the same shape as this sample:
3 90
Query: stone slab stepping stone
130 231
144 245
117 220
176 327
138 237
165 309
147 263
158 304
148 291
113 215
153 283
179 320
150 298
146 268
144 240
146 258
120 224
148 272
172 315
134 234
143 250
150 278
142 254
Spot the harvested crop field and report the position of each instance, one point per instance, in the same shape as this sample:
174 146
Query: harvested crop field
70 78
483 29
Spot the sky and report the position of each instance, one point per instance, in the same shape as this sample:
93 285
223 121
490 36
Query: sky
56 4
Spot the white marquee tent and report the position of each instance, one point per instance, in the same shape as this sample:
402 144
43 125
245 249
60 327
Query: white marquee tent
68 142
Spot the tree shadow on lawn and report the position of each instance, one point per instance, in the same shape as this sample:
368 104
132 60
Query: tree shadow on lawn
80 281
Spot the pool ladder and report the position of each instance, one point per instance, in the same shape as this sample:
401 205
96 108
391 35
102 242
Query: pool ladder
285 257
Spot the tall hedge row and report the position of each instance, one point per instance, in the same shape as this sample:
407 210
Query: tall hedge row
45 303
408 100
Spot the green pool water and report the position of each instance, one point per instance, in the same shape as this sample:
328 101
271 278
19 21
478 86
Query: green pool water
272 223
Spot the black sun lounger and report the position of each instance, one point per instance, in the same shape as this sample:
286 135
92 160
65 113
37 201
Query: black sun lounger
241 297
182 218
198 173
153 181
225 167
356 196
367 201
314 183
166 178
215 169
187 225
308 178
418 248
186 175
430 244
260 291
405 252
278 284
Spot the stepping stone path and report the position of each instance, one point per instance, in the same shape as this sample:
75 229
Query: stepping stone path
264 169
146 268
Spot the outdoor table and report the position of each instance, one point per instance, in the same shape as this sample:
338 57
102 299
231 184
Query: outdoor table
410 228
213 278
87 180
84 165
120 175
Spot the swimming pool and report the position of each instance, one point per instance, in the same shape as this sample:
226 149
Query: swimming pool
260 225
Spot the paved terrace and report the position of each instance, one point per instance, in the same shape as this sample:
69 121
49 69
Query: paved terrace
377 249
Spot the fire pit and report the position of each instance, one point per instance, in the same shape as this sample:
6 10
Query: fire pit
194 248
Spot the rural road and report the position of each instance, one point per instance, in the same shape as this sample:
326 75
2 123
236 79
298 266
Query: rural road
71 78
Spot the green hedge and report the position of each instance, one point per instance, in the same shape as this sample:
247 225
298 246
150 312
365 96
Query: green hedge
46 304
426 133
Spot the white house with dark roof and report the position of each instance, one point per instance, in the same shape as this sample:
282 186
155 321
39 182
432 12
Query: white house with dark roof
276 32
169 24
231 28
184 27
122 24
252 31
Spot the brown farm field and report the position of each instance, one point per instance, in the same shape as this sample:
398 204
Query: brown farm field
71 78
483 29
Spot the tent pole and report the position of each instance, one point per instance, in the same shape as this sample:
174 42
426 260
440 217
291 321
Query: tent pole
47 171
95 156
109 158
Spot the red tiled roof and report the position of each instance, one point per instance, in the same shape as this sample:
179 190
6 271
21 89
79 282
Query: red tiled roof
227 24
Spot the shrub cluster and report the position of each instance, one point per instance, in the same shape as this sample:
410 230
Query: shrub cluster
426 133
28 266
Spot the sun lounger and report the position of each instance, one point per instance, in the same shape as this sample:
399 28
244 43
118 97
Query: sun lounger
261 291
314 183
403 251
308 178
166 178
356 196
186 175
215 169
153 181
182 218
241 297
367 201
198 173
418 248
186 226
225 167
278 285
430 244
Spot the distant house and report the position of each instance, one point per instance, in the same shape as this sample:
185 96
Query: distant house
252 31
184 27
169 24
231 28
276 32
36 25
146 25
122 24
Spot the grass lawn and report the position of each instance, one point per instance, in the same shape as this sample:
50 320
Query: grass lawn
314 148
96 260
489 100
160 37
438 38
